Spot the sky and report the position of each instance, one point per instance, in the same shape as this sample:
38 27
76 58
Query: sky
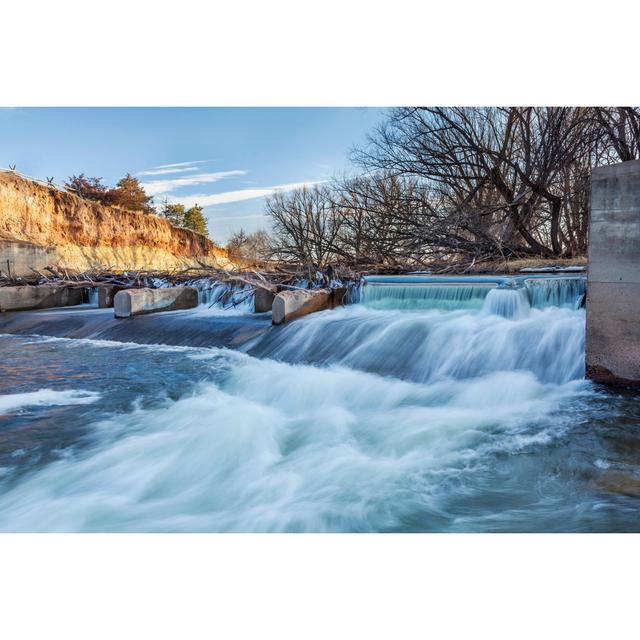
225 159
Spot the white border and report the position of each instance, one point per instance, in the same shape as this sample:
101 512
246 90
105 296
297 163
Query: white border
311 586
334 52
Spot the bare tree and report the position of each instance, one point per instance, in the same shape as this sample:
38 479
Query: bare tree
449 182
306 224
498 170
621 127
255 248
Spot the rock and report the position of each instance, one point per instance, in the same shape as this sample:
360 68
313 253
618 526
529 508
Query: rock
106 295
289 305
134 302
263 299
38 297
620 482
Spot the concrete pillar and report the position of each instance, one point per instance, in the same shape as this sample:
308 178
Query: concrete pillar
38 297
289 305
613 291
135 302
106 295
338 296
263 299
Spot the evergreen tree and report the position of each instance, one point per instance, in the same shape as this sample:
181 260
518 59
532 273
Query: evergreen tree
174 213
129 194
194 219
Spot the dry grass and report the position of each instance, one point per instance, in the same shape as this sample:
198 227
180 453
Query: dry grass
514 266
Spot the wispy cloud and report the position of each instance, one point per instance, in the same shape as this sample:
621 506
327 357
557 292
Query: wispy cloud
207 200
158 187
160 172
180 164
252 216
176 167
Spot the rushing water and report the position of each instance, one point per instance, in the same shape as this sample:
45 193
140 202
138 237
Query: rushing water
412 411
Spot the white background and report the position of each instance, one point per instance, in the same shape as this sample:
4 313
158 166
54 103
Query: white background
324 53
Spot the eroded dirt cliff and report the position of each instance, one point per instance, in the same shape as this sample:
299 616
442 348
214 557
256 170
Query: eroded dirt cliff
40 226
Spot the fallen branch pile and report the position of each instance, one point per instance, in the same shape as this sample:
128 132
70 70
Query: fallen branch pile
274 280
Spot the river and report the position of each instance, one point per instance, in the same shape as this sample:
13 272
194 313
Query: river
449 408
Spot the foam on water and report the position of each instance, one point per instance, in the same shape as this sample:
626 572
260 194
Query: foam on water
44 397
431 345
278 447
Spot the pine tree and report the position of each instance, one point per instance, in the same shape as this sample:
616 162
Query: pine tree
129 194
194 219
174 213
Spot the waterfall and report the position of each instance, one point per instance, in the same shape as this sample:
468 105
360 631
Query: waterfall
556 292
354 292
508 302
426 346
435 404
223 296
90 296
446 297
448 293
485 324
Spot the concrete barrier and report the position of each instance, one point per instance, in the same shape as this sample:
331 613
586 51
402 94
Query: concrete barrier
263 300
38 297
106 296
19 258
135 302
338 296
289 305
613 285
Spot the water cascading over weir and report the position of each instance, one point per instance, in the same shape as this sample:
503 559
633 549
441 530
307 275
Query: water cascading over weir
427 404
428 328
501 295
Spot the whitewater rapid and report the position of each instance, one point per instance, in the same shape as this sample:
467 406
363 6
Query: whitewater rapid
279 447
367 418
431 345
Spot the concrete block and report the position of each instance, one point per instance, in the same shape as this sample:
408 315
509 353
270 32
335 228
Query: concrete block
106 295
289 305
613 288
38 297
263 299
338 296
134 302
17 259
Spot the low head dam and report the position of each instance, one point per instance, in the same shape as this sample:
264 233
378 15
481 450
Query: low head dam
41 226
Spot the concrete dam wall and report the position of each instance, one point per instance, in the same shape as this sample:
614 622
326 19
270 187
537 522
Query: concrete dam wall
613 298
42 226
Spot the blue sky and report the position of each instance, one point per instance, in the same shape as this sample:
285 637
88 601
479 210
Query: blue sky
226 159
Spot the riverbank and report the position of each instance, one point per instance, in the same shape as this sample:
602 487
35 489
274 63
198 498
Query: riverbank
42 225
